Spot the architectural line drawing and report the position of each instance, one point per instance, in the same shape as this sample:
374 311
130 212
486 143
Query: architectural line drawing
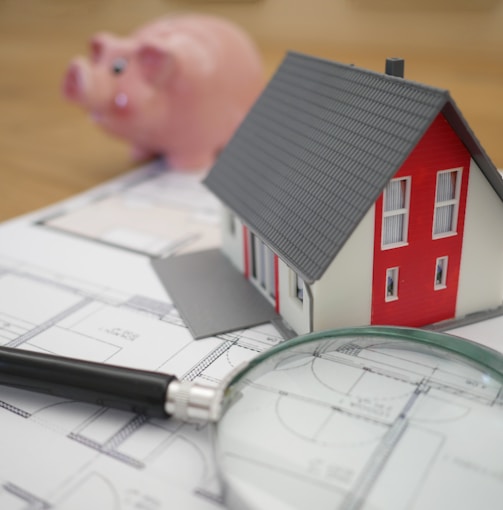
32 502
62 294
166 213
370 438
48 324
69 316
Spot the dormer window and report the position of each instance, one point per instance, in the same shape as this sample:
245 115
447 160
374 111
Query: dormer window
396 213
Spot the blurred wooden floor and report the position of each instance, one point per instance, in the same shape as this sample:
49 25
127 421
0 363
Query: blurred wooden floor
49 149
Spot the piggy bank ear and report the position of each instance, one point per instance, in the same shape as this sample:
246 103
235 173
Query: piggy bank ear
157 65
99 44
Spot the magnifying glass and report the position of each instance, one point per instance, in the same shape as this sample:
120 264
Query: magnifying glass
359 418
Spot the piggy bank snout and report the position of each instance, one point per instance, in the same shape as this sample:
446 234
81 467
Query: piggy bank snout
75 82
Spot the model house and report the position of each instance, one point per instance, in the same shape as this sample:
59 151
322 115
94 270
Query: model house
353 197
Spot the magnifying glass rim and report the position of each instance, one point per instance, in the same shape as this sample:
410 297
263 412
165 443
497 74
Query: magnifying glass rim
483 356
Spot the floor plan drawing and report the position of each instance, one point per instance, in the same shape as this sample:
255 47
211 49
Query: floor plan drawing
74 285
165 213
44 314
382 428
73 296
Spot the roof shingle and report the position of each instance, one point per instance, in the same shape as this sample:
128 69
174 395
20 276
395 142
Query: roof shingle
318 148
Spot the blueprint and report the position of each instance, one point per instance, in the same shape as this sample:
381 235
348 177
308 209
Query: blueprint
81 297
76 280
156 213
383 427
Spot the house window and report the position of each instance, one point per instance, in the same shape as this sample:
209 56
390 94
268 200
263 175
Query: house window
441 273
395 212
231 222
446 202
270 272
253 256
391 284
262 266
297 287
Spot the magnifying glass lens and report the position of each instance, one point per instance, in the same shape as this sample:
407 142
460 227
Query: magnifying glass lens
369 420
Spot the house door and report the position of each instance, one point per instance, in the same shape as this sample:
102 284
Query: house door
263 267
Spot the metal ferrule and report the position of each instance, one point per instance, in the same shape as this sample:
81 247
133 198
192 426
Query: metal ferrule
190 401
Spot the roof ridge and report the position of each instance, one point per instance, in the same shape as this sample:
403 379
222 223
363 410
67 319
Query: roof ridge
370 72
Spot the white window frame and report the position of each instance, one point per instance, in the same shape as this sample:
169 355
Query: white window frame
262 270
231 222
392 272
442 284
451 202
401 211
297 288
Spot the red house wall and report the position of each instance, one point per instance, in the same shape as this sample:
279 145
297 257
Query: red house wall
418 303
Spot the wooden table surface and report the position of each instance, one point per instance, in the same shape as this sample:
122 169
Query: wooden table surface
50 150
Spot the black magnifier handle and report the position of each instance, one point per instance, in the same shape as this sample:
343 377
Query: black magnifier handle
144 392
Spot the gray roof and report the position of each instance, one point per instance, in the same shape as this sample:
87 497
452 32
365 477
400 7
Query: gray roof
318 148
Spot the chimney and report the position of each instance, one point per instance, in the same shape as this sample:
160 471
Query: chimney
395 67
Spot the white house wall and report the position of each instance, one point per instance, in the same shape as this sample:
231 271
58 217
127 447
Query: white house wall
481 271
232 242
343 297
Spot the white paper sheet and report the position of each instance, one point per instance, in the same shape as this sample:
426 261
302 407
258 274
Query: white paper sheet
69 286
82 297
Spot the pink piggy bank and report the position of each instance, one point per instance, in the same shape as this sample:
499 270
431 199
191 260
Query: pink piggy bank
177 87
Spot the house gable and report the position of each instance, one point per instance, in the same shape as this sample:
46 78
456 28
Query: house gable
416 299
318 148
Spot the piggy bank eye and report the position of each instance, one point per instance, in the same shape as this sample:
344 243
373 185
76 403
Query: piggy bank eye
118 65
